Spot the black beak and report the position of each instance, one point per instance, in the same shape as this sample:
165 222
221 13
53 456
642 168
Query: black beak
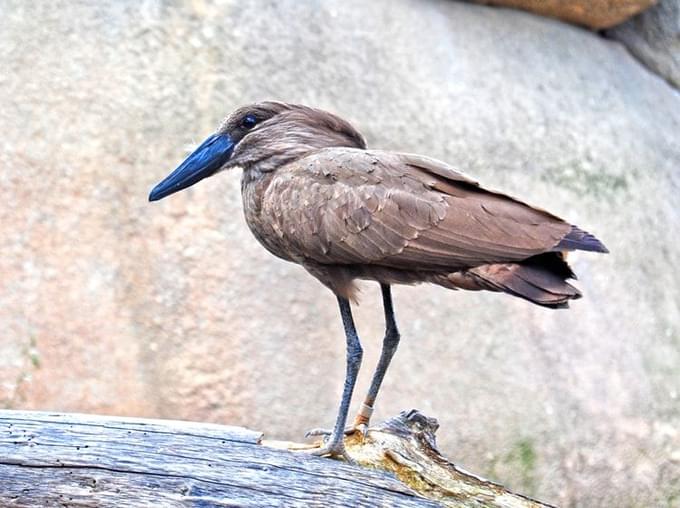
213 153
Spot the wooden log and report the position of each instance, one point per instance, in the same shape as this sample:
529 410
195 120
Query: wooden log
75 460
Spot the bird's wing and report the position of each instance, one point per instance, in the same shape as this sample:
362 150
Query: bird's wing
353 206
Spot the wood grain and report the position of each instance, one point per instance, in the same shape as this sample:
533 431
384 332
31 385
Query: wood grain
75 460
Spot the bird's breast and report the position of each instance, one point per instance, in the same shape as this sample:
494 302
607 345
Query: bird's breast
253 190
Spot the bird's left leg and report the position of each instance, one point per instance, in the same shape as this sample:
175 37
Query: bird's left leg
389 347
334 445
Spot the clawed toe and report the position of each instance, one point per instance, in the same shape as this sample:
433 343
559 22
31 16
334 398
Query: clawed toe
336 450
318 432
334 445
362 429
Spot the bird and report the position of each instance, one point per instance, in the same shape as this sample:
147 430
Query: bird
315 195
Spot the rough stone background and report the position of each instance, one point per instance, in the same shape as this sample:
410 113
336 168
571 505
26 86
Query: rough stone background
110 304
654 38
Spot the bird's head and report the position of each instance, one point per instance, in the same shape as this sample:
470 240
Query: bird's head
261 136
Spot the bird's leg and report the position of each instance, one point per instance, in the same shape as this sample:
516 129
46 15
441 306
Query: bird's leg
389 347
334 445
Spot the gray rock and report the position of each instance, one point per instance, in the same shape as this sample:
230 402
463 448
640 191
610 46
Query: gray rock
654 38
174 310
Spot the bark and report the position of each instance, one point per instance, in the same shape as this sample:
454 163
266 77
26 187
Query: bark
53 459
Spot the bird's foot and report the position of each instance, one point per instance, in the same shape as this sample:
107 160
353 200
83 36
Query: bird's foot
333 446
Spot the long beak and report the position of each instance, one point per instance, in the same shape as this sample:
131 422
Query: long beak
213 153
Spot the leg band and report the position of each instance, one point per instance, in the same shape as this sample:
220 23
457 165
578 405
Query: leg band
366 412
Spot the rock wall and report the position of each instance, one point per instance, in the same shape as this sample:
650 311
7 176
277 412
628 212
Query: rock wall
654 38
110 304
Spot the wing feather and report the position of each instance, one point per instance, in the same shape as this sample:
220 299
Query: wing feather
350 206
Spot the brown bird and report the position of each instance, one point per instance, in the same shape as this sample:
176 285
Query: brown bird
314 195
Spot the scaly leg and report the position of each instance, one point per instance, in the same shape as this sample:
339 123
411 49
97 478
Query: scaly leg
334 445
389 347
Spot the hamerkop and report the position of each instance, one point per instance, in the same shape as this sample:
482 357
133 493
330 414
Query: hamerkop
314 195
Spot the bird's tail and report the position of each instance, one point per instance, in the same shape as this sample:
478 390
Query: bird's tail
539 279
577 239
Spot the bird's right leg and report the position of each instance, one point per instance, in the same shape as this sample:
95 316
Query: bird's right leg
334 445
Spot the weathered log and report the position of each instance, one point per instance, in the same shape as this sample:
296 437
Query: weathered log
51 459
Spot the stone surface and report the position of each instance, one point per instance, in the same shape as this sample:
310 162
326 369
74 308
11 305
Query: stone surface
111 304
654 38
594 14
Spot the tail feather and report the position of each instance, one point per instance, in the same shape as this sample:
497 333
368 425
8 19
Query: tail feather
540 280
577 239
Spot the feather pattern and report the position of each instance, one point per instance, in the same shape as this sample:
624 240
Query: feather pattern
396 215
344 212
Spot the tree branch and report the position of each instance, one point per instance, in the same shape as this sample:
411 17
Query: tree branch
53 459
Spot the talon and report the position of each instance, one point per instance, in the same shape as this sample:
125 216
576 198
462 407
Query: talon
333 446
327 432
317 432
334 450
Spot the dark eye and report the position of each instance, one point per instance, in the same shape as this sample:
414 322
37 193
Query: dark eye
249 121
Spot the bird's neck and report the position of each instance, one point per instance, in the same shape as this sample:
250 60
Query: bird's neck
266 154
268 161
